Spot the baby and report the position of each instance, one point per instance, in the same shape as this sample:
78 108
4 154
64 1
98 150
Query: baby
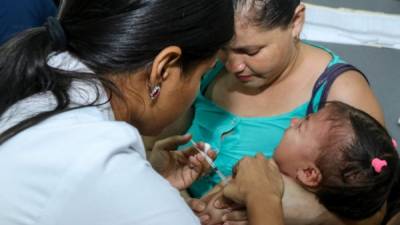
343 156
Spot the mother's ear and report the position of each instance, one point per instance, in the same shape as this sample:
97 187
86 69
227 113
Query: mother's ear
298 20
165 63
309 176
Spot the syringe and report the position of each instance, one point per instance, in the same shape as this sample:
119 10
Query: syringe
211 162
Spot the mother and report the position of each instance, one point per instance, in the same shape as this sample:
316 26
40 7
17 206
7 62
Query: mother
75 94
270 77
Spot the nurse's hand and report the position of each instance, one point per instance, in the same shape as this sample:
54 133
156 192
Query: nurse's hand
180 168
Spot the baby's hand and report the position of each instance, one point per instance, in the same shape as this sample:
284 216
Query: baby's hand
222 211
214 214
235 215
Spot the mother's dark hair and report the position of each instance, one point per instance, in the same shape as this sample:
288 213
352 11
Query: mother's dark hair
269 14
109 37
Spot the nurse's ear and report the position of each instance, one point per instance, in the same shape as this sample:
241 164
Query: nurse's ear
298 21
309 176
167 63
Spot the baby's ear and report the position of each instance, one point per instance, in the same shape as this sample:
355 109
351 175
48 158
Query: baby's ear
309 176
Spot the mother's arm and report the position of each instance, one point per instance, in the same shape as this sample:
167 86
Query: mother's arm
301 207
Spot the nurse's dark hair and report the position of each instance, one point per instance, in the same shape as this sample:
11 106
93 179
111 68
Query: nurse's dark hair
266 13
350 186
109 37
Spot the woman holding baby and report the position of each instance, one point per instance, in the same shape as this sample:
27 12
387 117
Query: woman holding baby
267 77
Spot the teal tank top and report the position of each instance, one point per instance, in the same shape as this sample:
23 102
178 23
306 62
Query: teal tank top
234 137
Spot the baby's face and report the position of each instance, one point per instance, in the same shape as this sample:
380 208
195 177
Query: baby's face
301 142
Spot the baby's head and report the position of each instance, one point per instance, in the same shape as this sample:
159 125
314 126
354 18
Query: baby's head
331 153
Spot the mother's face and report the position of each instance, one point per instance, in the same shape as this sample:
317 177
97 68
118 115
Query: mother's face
256 56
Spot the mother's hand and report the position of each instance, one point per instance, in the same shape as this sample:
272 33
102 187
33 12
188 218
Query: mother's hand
180 168
257 183
254 176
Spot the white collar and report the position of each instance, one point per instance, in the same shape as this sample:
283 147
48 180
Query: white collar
81 92
65 61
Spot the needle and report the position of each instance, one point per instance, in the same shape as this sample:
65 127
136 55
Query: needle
211 162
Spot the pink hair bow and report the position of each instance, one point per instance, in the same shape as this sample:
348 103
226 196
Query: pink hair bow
378 164
394 142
